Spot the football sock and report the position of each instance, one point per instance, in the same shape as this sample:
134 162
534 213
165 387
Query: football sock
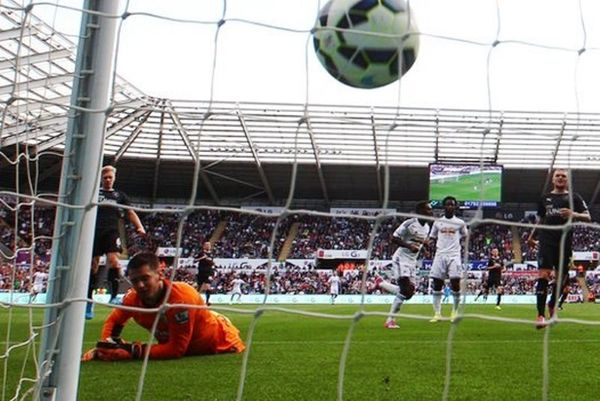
562 300
437 302
396 305
92 285
113 282
389 287
541 292
553 297
456 299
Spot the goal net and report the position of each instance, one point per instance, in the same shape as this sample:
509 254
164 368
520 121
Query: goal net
226 129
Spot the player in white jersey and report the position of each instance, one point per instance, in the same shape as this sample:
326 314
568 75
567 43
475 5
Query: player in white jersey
39 278
447 263
335 285
236 289
410 237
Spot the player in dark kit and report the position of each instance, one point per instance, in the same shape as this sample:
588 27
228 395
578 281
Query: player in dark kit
484 289
495 268
106 237
555 209
205 270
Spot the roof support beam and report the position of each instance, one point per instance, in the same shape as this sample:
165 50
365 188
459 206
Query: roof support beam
261 171
317 158
377 162
54 141
34 135
208 184
157 161
24 104
36 128
595 194
436 152
15 33
24 134
188 144
124 104
33 125
183 134
36 83
499 137
554 155
251 196
132 137
35 58
248 184
124 122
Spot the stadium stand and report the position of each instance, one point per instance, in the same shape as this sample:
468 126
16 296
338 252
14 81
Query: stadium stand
249 236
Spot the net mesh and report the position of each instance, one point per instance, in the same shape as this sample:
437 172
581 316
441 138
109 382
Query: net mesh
36 84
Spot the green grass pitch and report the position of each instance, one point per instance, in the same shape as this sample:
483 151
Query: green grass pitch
296 357
467 187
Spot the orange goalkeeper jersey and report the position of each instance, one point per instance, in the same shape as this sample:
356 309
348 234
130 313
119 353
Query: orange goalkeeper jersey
180 331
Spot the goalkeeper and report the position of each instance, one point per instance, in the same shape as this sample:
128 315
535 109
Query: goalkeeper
180 331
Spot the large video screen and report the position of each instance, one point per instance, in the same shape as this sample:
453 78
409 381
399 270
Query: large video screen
471 184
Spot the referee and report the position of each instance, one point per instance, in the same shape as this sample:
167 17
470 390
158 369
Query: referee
495 268
205 270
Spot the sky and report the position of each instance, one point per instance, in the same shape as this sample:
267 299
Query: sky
264 64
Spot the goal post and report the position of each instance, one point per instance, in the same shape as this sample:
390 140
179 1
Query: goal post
75 218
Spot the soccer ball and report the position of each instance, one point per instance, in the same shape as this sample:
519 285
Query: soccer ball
348 44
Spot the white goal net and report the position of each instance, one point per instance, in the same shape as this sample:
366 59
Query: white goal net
226 129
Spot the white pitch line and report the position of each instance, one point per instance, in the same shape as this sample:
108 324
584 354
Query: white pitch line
396 341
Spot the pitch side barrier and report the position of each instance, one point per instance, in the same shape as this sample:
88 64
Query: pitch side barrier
291 299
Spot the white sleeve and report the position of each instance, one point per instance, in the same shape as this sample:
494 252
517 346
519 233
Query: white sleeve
401 231
434 230
464 232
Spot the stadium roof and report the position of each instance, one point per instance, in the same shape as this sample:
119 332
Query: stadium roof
227 138
36 74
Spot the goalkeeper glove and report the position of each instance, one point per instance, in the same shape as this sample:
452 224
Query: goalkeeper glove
118 351
117 340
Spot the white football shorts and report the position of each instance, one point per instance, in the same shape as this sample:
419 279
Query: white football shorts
446 266
404 267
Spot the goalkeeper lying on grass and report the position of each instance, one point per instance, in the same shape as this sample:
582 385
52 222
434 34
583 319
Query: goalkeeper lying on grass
180 331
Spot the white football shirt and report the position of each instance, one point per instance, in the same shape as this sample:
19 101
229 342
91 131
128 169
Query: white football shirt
410 231
237 285
334 283
448 233
39 278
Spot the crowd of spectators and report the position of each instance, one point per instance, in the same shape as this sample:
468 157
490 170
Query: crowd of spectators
291 281
13 279
248 235
329 233
585 238
18 276
487 236
19 226
302 280
299 281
